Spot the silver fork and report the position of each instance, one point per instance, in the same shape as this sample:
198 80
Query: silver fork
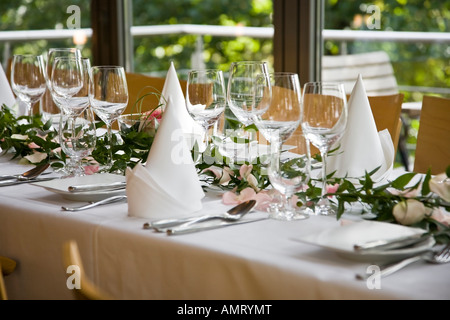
439 257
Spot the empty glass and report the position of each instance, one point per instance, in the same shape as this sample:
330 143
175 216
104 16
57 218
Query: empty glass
205 98
68 78
108 95
28 79
289 175
279 118
49 107
77 139
243 97
323 122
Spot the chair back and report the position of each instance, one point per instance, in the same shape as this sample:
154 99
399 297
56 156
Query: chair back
88 290
374 67
433 137
140 85
386 112
7 266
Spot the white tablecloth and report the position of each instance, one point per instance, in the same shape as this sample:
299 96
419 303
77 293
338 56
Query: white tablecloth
249 261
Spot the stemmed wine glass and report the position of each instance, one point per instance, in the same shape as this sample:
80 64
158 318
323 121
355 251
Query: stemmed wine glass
243 98
324 121
108 94
77 138
278 119
28 79
50 107
205 98
68 78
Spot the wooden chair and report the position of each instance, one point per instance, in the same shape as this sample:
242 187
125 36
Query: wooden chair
139 85
375 68
7 266
88 290
386 112
379 80
433 137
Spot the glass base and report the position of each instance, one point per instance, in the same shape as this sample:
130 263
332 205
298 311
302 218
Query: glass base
283 214
325 208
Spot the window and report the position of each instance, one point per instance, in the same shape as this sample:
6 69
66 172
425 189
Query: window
195 34
414 33
44 24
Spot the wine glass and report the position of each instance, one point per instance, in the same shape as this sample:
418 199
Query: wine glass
243 98
77 138
28 79
324 120
50 108
277 116
205 98
278 113
68 78
108 94
288 176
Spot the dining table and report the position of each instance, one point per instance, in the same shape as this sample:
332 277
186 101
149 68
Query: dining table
261 260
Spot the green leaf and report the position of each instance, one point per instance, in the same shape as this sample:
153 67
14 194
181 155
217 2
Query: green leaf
403 180
426 184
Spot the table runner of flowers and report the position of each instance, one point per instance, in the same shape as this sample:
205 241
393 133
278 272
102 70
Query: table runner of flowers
425 204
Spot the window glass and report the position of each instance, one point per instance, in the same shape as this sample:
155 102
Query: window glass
153 53
43 19
421 66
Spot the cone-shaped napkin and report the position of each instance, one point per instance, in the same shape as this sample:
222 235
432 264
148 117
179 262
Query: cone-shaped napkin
168 186
172 87
6 94
362 148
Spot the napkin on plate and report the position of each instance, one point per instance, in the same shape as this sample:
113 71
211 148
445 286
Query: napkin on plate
362 147
6 94
168 186
172 87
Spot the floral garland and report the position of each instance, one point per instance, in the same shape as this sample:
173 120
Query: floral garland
425 204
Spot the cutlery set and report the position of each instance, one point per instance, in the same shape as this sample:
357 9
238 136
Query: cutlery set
97 203
430 256
186 225
26 177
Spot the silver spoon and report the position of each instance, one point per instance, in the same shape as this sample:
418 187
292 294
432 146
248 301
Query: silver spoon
97 203
30 174
233 214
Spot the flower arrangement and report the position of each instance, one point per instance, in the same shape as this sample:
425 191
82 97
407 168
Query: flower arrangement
137 131
410 199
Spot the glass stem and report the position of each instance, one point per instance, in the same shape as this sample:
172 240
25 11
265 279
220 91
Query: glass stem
29 110
110 155
324 173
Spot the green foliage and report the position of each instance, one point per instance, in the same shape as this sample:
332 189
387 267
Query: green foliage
18 134
414 63
156 52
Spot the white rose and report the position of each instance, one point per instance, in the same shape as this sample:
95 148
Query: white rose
410 212
440 185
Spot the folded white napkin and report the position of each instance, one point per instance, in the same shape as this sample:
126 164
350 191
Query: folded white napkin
6 93
362 147
168 186
172 88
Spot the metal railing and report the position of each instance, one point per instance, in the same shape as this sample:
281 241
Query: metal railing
232 31
229 31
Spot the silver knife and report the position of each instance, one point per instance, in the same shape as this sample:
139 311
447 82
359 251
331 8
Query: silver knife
5 183
391 244
97 187
191 229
